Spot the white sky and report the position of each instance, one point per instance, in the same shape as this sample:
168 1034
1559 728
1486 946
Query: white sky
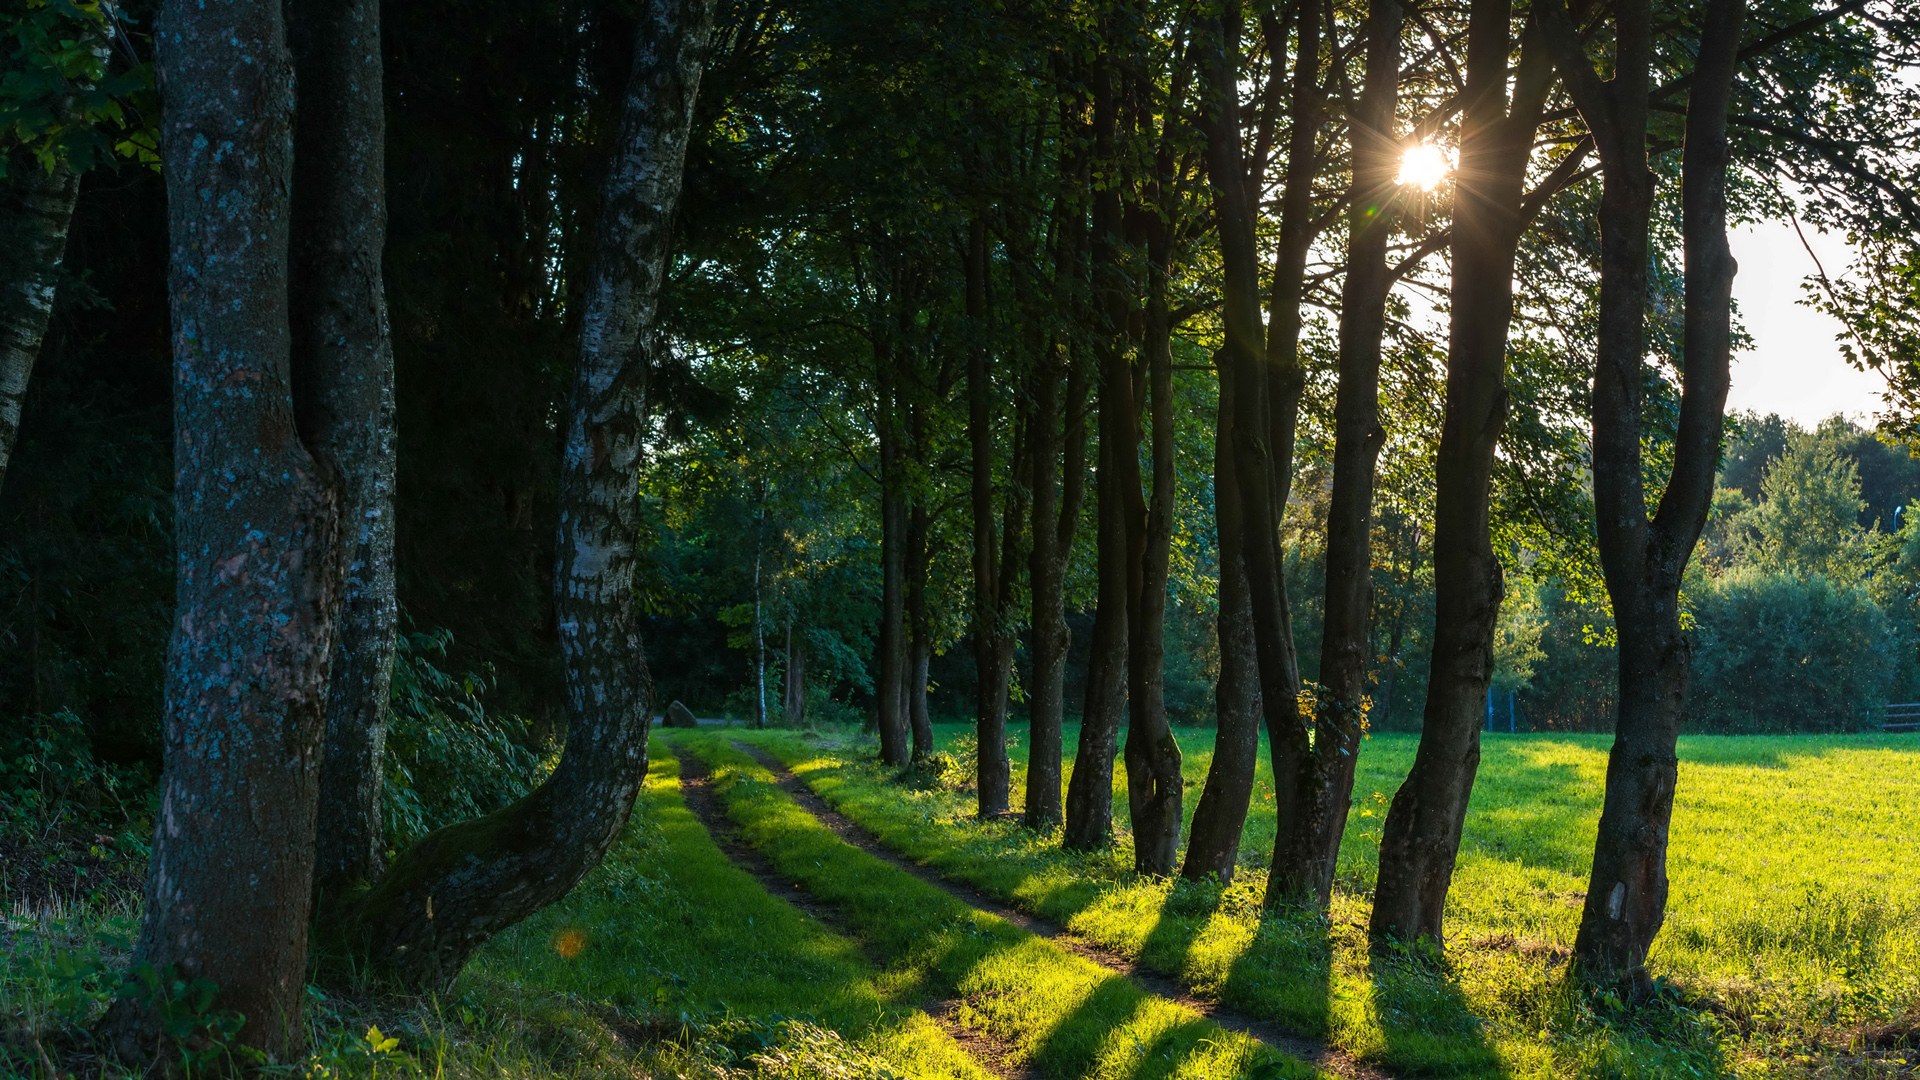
1794 368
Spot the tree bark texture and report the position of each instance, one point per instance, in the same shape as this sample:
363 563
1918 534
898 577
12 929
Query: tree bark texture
459 886
1090 799
1261 382
343 366
1155 787
1422 834
1644 558
890 698
994 555
919 620
1314 796
229 887
36 208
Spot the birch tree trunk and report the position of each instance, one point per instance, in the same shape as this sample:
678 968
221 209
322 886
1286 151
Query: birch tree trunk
461 885
230 883
343 369
36 208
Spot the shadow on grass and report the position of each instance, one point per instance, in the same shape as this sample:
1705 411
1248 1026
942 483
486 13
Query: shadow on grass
1426 1021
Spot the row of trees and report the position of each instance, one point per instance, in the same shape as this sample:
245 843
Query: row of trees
1169 188
942 261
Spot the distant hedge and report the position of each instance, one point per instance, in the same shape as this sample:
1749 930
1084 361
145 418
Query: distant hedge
1776 651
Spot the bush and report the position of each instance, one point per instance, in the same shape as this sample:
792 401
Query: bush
1774 651
447 759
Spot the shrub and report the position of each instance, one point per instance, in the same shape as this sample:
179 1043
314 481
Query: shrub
1775 651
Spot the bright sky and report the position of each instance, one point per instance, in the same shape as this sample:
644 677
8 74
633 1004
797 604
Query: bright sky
1794 368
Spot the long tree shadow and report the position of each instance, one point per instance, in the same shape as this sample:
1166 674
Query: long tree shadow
1426 1021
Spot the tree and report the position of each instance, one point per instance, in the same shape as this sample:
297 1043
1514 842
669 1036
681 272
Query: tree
459 886
1421 837
1808 520
1644 555
1314 782
343 365
230 880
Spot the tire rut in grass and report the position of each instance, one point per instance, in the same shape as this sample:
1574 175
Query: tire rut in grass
1313 1051
696 789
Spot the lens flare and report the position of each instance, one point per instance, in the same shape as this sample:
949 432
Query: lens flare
1424 166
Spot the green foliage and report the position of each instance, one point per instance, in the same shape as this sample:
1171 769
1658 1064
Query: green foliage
1781 651
71 827
1809 513
60 99
447 759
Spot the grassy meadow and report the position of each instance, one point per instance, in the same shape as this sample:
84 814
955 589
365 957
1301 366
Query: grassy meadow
1792 940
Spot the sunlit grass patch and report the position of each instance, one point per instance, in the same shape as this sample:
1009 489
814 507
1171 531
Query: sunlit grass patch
1065 1014
1794 922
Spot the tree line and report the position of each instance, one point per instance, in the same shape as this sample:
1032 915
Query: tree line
1060 332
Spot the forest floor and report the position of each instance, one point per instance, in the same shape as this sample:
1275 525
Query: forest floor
783 907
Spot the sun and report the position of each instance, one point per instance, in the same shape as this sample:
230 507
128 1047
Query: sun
1424 165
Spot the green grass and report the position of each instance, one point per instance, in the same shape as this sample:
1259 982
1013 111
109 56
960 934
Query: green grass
1794 919
666 961
1063 1014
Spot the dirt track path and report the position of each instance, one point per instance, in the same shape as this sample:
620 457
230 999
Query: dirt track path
697 790
1330 1058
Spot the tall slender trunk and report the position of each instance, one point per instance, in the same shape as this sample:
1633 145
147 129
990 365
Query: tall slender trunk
230 885
1644 558
892 645
36 208
1117 465
343 367
1261 385
1421 838
460 885
759 650
992 640
1314 799
1155 788
919 619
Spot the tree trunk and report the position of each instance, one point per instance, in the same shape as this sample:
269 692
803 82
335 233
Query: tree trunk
992 652
759 649
919 621
1421 838
1090 801
890 678
230 884
1644 559
1155 787
1213 841
1260 392
35 209
343 366
1314 799
461 885
795 698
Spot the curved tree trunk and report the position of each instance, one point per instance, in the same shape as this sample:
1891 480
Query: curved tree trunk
343 366
461 885
1261 385
1213 841
1314 798
230 883
1421 838
36 208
